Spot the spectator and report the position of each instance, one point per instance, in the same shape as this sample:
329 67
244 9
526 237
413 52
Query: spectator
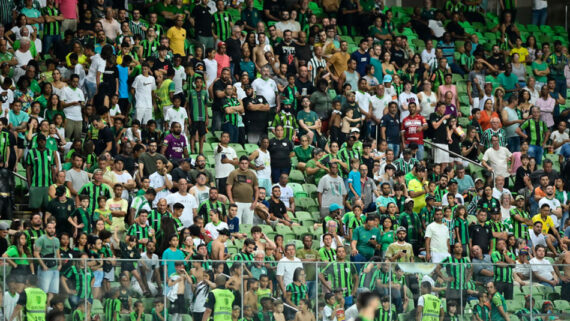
242 187
437 239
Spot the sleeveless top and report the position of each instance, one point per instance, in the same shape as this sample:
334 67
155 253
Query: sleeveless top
263 159
352 79
510 130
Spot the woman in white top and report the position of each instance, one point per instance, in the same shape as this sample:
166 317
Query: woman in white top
505 206
57 84
427 99
211 67
262 164
407 97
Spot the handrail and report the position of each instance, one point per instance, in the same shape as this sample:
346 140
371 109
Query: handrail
25 179
460 156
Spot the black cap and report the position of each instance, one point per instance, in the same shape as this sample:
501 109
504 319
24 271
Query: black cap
247 86
60 191
41 137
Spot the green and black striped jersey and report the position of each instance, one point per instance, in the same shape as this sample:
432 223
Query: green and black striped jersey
298 292
41 163
222 25
520 229
51 28
112 309
502 273
457 269
94 191
340 276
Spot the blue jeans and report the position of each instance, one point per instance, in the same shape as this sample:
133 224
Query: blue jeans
536 152
232 130
50 41
539 16
514 144
420 153
312 289
395 148
276 173
357 259
90 89
217 119
561 87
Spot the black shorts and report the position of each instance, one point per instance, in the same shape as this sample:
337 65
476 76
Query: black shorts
199 127
20 143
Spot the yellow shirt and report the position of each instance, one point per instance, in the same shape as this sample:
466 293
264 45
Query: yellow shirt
177 37
113 206
546 224
523 53
81 59
419 202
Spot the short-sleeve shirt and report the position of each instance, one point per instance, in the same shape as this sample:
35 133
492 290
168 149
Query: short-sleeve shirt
547 223
243 184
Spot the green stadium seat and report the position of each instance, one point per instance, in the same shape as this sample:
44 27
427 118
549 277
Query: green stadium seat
513 305
561 305
298 190
304 216
237 147
250 148
208 150
296 176
245 228
311 189
266 228
285 231
300 231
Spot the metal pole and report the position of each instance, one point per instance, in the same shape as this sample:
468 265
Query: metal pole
462 276
242 293
566 16
316 290
390 286
165 282
531 298
85 292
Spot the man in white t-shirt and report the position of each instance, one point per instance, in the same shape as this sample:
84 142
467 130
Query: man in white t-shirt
496 158
6 96
378 103
362 98
148 264
186 199
96 69
437 239
559 137
287 266
142 88
161 181
542 270
73 100
266 87
554 203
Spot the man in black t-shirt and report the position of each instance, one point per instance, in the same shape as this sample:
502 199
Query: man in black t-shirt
219 88
480 234
280 151
202 20
277 209
106 140
287 51
438 123
256 108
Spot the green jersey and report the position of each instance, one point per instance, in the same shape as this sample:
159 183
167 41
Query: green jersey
457 269
222 25
112 308
41 162
502 273
94 191
51 28
520 229
536 131
298 292
289 123
498 301
197 99
340 276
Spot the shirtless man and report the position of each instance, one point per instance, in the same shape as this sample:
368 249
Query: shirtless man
250 298
218 246
258 236
259 52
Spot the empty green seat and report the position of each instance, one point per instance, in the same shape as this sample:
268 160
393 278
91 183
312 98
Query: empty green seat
296 176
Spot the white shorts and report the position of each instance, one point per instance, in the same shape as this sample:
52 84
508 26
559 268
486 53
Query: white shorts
441 156
143 115
438 257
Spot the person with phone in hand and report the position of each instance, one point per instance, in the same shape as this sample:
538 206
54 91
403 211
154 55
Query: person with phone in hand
400 251
365 240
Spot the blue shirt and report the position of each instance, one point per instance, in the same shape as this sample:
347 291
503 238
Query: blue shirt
362 60
565 150
354 179
123 78
448 49
392 128
170 257
233 225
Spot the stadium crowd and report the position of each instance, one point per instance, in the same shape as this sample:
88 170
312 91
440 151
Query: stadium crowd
283 160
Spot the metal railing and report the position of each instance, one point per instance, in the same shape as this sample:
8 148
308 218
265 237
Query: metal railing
401 283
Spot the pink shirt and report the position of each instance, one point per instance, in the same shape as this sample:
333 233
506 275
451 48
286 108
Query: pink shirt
68 8
546 110
443 89
223 62
516 162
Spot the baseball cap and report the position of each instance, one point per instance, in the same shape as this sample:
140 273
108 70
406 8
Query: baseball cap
334 207
479 180
401 229
453 181
4 226
246 87
387 78
430 197
355 130
221 43
519 197
524 251
408 200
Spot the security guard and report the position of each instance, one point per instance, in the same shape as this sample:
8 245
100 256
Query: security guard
220 301
33 300
429 305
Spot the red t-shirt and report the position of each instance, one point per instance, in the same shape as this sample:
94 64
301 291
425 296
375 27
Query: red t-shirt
410 129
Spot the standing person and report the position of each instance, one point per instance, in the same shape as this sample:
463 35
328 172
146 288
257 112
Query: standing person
46 250
41 165
142 89
537 134
183 197
226 160
281 152
438 122
220 301
503 261
242 189
331 190
262 164
430 307
413 127
286 267
390 128
266 87
197 100
73 102
33 301
93 190
437 239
